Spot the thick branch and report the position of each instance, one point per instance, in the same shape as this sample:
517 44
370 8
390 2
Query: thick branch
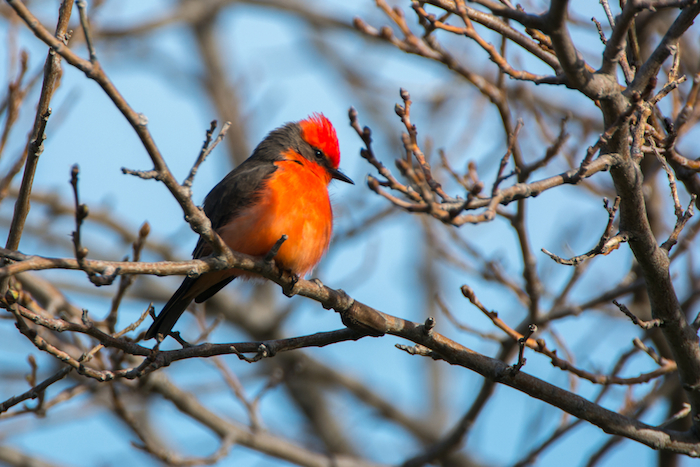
52 73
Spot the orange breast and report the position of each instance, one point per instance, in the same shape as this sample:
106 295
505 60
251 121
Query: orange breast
294 202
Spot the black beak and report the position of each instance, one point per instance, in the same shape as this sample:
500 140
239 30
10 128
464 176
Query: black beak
338 175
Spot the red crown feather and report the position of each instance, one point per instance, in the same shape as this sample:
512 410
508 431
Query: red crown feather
318 131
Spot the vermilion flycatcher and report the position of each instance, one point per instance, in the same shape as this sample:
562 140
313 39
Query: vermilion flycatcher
281 189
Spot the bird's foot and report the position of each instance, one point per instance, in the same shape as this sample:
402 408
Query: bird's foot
290 289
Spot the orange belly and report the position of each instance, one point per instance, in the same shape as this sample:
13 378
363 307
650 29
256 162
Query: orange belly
294 202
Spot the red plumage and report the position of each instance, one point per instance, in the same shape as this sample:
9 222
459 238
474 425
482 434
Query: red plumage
318 131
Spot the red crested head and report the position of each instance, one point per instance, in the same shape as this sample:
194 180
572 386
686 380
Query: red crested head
318 132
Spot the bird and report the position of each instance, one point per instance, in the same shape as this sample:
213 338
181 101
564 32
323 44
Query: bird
281 189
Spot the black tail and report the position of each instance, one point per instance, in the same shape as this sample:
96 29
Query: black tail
172 311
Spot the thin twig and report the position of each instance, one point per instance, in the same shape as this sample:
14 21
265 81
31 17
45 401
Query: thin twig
521 343
207 148
81 212
646 325
85 24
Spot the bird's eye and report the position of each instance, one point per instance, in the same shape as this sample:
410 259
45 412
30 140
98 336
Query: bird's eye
318 154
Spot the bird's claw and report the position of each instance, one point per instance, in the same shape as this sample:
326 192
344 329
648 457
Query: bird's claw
289 289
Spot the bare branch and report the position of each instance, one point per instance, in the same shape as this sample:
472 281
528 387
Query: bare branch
666 47
207 148
35 146
646 325
36 391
